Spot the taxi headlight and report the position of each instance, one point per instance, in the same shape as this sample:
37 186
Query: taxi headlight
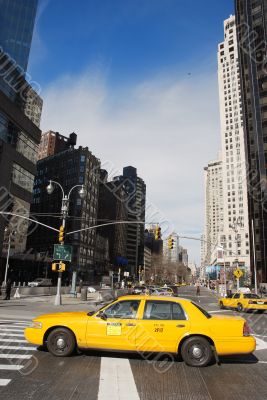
36 325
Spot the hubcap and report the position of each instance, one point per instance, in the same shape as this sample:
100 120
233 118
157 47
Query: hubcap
197 352
61 343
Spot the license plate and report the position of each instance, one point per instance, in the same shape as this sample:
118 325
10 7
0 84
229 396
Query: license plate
260 302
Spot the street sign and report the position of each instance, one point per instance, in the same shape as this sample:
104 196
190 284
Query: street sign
62 252
238 273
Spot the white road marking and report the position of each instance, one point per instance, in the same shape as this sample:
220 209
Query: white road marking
17 348
10 335
4 382
13 340
19 356
260 344
11 330
218 311
262 362
20 321
14 326
9 367
116 380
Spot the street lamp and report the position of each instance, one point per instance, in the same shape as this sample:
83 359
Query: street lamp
8 252
64 210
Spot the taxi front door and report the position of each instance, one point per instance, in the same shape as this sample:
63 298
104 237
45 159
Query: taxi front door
114 328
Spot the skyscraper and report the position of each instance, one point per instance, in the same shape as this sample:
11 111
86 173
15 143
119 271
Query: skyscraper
19 134
135 210
251 34
213 209
17 19
234 238
69 168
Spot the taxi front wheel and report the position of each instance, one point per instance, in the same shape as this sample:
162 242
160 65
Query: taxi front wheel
61 342
196 352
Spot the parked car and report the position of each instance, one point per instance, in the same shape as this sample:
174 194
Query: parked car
40 282
161 292
199 336
139 289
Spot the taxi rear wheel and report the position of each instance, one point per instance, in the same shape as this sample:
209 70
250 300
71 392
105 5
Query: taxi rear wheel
196 351
61 342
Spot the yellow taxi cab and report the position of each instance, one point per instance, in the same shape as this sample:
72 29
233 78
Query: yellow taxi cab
145 324
244 302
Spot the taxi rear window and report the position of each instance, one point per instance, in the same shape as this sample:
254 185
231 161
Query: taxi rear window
207 315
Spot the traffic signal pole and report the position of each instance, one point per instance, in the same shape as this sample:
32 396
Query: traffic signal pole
64 209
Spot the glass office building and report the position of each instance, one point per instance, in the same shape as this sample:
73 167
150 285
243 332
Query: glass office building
16 28
19 131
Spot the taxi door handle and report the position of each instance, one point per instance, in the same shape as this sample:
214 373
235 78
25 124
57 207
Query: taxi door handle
180 326
130 324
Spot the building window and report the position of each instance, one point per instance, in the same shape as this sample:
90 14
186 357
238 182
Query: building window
22 178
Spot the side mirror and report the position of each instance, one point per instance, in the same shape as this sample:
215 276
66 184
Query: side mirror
102 315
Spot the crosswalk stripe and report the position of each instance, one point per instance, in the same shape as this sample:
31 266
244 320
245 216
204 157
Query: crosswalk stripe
11 330
116 380
18 356
13 340
10 335
14 326
23 321
10 367
4 382
260 344
17 348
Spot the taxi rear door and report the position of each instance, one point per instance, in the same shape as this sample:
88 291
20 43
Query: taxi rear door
161 327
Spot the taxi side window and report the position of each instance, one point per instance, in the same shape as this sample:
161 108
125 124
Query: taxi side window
236 296
163 310
122 309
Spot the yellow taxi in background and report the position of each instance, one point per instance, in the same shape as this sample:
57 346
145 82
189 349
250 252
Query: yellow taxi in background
168 290
244 302
145 324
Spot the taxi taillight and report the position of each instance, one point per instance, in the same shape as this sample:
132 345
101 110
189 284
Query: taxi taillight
246 329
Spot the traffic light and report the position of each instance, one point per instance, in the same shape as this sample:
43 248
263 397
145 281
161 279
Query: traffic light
61 235
58 267
158 233
170 243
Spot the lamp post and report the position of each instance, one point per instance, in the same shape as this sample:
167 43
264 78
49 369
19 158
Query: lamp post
8 253
64 211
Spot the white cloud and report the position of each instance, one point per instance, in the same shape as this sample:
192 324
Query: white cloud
167 127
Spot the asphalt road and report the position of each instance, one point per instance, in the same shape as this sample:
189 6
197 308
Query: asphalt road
28 373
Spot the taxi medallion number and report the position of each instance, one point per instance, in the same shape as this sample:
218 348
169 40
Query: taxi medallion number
114 329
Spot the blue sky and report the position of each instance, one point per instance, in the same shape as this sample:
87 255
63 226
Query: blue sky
131 38
137 81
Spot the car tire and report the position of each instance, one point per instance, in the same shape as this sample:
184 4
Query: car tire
261 311
61 342
239 307
196 351
221 305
